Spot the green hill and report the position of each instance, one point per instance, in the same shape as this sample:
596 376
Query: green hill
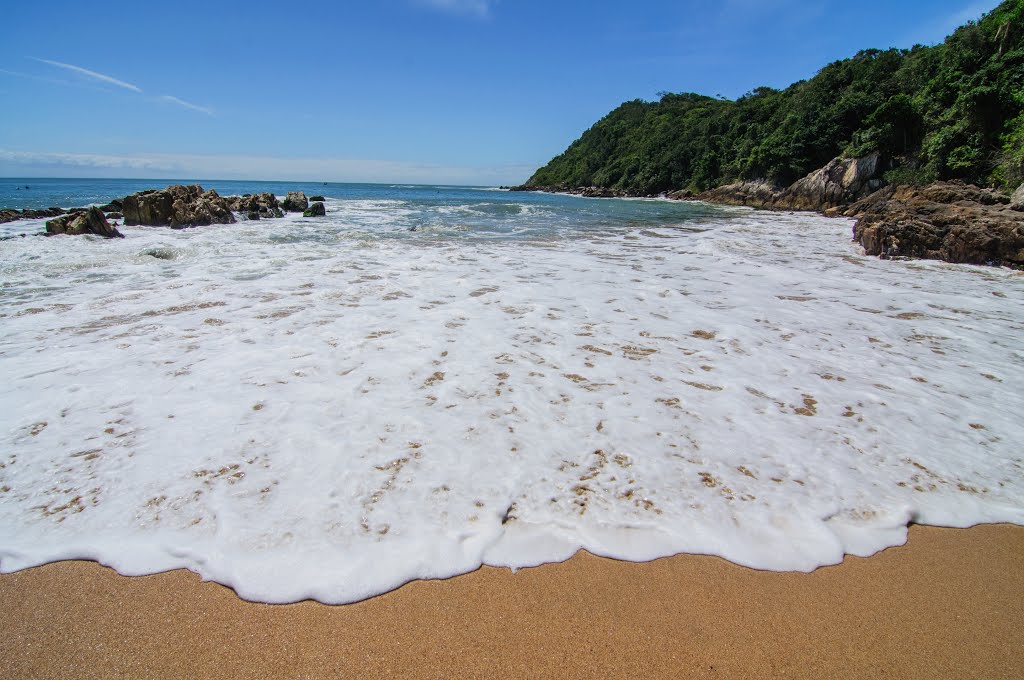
951 111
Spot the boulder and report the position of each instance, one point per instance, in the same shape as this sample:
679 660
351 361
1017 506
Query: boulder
317 198
90 221
115 216
841 182
295 201
1017 200
315 210
680 195
176 206
949 221
256 206
757 194
113 206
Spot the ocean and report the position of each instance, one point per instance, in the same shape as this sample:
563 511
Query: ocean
429 379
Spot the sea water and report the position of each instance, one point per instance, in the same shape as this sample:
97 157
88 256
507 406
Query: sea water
433 378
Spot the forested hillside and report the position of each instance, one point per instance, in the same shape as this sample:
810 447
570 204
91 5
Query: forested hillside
951 111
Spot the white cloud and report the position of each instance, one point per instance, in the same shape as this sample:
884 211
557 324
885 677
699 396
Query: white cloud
33 163
185 104
92 74
480 8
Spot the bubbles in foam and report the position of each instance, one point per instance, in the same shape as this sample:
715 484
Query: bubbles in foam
298 412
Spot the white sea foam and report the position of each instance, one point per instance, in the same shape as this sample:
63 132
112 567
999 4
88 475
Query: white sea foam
300 413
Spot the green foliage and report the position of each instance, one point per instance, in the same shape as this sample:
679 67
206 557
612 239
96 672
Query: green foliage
955 110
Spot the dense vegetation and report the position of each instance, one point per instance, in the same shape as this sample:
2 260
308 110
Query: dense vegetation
951 111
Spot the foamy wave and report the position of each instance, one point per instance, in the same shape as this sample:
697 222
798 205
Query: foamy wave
297 413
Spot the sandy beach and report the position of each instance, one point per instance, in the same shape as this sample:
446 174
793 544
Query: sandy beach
948 604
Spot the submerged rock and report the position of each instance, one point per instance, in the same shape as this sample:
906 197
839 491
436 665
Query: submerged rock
90 221
176 206
949 221
295 201
315 210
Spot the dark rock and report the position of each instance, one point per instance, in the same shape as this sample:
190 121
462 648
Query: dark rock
114 216
91 221
317 198
176 206
295 201
949 221
263 205
113 206
29 214
315 210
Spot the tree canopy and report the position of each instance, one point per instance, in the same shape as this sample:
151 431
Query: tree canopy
950 111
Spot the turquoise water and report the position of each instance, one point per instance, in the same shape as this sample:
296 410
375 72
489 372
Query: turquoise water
399 210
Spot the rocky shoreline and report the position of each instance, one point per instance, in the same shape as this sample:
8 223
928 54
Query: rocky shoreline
176 206
950 221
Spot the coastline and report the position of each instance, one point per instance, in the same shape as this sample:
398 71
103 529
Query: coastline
947 604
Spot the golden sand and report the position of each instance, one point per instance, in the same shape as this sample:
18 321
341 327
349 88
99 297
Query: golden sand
948 604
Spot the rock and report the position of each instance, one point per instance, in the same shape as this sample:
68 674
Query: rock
841 182
1017 200
263 205
315 210
113 206
949 221
29 214
757 194
317 198
176 206
680 195
114 216
91 221
296 201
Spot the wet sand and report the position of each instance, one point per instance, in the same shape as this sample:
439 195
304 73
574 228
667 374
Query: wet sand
948 604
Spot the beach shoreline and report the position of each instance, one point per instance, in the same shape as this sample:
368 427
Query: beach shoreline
947 604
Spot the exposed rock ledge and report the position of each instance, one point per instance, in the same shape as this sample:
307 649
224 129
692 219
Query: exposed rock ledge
949 221
176 206
841 182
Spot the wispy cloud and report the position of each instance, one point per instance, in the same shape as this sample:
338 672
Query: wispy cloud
92 74
185 104
479 8
18 163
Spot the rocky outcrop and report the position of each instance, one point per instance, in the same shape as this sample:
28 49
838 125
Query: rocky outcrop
948 221
90 221
29 214
176 206
756 194
256 206
295 201
317 198
1017 200
316 209
841 182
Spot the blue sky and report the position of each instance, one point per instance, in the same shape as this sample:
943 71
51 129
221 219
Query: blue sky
447 91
